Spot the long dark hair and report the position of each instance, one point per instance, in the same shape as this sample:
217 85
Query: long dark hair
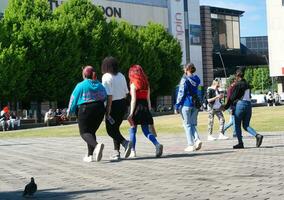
109 65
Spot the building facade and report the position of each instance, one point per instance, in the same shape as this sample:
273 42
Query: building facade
220 37
256 45
275 25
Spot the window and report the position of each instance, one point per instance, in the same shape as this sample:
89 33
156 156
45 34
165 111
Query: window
282 2
225 33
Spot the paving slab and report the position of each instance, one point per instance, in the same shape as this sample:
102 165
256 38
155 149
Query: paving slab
215 172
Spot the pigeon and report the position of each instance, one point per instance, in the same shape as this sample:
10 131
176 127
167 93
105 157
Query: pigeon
30 188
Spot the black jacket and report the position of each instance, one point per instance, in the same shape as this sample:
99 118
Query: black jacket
210 93
238 92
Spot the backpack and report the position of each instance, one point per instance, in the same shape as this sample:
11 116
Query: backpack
208 94
195 99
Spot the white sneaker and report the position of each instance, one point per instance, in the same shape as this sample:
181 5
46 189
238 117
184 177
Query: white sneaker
198 144
132 154
115 156
88 158
99 152
222 137
210 138
189 149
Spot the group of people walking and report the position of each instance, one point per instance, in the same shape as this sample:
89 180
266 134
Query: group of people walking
88 99
87 102
238 104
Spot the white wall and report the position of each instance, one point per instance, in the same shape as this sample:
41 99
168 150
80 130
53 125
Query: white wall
195 50
135 14
275 25
138 15
177 24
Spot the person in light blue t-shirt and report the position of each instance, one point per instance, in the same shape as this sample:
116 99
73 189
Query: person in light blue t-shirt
87 102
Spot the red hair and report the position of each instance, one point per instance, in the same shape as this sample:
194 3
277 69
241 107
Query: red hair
6 109
138 78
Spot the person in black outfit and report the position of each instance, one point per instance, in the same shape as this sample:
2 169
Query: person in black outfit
116 108
243 109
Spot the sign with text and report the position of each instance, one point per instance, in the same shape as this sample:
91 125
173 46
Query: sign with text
195 34
177 25
135 14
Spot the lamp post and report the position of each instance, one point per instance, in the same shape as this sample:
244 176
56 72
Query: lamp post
220 55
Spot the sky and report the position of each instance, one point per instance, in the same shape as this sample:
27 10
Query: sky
253 21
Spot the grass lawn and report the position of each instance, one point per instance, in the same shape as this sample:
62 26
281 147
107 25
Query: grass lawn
264 119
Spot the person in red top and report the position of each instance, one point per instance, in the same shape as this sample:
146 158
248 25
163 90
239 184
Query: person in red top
140 107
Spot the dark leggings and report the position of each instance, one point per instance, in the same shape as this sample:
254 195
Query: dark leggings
90 116
118 110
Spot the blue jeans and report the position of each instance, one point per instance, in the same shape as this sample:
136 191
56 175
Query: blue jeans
189 116
243 114
231 123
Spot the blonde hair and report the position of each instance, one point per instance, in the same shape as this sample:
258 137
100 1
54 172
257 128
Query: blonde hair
215 82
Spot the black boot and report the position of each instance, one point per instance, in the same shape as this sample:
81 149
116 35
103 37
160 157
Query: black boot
239 146
259 139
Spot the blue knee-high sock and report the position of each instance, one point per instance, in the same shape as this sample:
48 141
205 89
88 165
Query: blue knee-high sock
132 135
149 135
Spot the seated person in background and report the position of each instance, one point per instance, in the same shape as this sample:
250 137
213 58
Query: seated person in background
276 97
270 99
14 122
58 112
4 117
59 116
49 116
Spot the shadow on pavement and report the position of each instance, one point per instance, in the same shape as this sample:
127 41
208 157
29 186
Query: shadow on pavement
53 193
181 155
15 144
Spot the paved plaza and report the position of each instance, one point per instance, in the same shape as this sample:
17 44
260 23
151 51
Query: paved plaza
215 172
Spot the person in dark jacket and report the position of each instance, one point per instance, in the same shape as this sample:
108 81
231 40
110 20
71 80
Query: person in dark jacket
240 97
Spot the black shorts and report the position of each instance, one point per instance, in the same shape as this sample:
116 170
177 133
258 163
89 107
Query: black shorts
142 113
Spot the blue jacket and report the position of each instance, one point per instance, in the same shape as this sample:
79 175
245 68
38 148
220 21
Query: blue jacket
187 84
85 92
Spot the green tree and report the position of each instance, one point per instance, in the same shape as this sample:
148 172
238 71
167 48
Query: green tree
261 79
123 44
44 51
90 26
24 31
258 78
162 56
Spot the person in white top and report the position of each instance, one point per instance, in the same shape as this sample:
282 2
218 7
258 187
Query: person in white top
214 97
116 88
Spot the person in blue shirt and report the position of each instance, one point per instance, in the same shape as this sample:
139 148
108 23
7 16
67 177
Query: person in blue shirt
188 87
87 102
